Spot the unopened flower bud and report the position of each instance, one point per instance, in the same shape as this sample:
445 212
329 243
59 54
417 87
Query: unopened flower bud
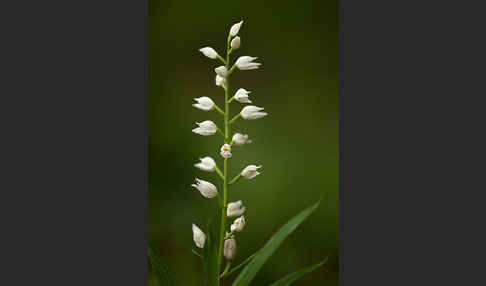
198 236
238 224
235 43
241 95
226 151
206 189
206 128
204 103
221 70
220 81
250 172
230 248
251 112
246 63
240 139
235 29
235 209
207 164
209 52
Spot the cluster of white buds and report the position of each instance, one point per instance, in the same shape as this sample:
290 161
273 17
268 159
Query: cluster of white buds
230 247
206 128
207 164
204 103
241 95
250 172
226 151
238 224
198 236
235 209
251 112
206 189
241 139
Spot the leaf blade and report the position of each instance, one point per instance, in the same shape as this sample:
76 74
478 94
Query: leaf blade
210 256
292 277
159 267
252 268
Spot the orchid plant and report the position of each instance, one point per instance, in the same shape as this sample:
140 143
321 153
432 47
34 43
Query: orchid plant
214 249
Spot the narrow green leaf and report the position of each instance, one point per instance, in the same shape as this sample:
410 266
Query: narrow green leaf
210 257
248 259
292 277
251 270
159 267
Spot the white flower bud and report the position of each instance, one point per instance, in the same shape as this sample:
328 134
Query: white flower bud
245 63
241 95
206 128
250 172
209 52
226 151
220 81
235 43
206 189
207 164
204 103
238 224
251 112
240 139
198 236
235 29
221 70
229 248
235 209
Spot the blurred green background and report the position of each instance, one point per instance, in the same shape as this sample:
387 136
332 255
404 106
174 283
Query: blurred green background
297 143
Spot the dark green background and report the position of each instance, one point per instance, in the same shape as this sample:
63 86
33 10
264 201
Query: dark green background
297 44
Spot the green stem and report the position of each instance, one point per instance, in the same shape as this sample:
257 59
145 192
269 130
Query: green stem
221 133
234 118
226 163
229 235
234 179
231 70
219 172
221 59
197 253
218 109
228 265
240 265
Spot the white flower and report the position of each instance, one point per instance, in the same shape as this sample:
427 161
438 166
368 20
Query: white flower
230 248
206 189
250 172
251 112
235 43
198 236
240 139
220 81
238 224
226 151
221 70
235 29
241 95
204 103
209 52
245 63
235 209
205 128
207 164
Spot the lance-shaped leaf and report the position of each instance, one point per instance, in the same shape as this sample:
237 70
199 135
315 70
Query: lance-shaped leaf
210 257
251 270
292 277
159 267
